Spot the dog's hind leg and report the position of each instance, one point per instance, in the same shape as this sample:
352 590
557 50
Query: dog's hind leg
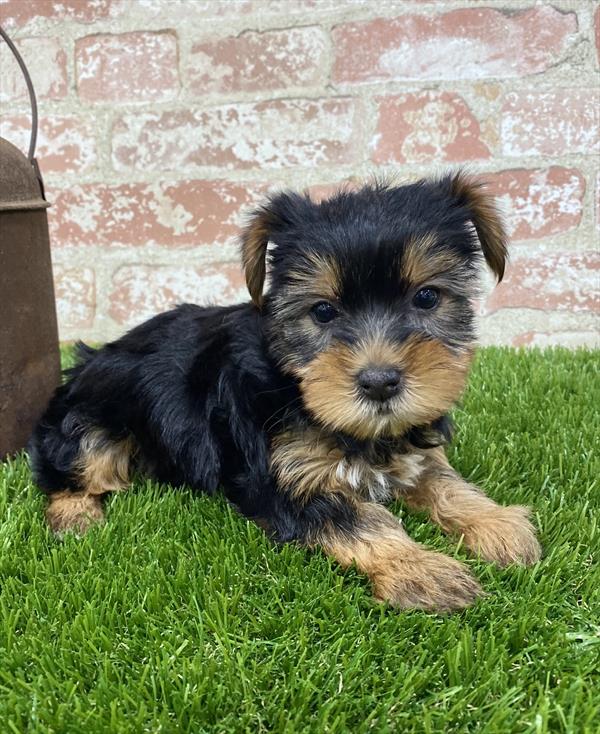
103 465
74 511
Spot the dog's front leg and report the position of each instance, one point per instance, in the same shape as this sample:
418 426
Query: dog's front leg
366 534
318 505
497 533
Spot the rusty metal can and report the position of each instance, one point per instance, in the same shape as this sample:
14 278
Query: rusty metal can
29 352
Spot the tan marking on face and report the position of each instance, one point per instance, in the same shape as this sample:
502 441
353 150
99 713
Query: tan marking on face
329 392
421 262
322 278
434 378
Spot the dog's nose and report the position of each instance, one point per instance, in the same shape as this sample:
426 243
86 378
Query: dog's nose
378 383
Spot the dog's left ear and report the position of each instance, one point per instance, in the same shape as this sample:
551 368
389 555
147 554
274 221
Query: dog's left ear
469 193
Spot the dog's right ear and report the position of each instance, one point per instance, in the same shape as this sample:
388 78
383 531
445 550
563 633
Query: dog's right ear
255 239
279 213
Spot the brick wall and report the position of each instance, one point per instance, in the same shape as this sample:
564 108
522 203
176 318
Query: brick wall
163 121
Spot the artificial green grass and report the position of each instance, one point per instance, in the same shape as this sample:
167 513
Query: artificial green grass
180 616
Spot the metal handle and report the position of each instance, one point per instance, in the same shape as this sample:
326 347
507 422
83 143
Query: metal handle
32 100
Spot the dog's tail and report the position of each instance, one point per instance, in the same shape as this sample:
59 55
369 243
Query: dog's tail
83 354
54 444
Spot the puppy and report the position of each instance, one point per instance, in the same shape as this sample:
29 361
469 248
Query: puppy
315 404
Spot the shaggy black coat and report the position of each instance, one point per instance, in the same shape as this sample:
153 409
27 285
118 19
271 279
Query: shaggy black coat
197 390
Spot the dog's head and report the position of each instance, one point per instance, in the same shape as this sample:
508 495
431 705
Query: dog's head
369 303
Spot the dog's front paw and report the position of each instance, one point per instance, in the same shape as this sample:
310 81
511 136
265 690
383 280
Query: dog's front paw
504 536
426 580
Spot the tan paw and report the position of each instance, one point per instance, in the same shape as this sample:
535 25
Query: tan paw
504 536
73 512
429 581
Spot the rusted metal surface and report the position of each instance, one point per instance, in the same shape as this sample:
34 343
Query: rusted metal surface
29 355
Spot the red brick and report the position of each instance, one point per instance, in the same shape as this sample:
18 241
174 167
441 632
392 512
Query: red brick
294 57
46 62
18 13
127 67
140 291
274 134
540 202
65 144
550 123
185 214
430 126
75 291
550 282
469 43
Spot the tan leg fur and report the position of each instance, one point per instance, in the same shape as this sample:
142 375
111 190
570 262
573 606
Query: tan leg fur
73 511
502 535
103 466
401 571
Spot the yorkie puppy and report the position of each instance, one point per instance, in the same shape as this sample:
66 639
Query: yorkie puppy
318 402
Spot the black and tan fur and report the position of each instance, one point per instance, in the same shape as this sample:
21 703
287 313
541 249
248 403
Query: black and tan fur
319 402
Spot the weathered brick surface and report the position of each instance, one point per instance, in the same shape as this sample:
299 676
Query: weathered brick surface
188 213
294 57
572 339
202 13
429 126
127 67
140 291
276 134
65 143
46 61
75 293
541 202
469 43
551 123
18 13
550 282
163 123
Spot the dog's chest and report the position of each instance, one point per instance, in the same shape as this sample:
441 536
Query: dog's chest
307 463
379 483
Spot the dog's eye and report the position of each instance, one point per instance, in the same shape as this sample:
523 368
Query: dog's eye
324 312
426 298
